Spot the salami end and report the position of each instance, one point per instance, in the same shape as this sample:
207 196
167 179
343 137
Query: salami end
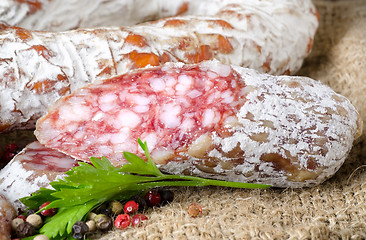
34 167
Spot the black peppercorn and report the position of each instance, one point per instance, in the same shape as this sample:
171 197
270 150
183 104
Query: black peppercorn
167 195
79 229
30 211
25 230
104 209
141 202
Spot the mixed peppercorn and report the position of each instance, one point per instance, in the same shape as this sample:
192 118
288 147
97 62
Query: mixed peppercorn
119 215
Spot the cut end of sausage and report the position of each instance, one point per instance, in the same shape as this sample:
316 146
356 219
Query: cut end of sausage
211 120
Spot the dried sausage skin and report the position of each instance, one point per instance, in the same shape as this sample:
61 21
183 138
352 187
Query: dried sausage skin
212 120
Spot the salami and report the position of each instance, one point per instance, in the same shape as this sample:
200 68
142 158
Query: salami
211 120
34 167
7 213
39 67
61 15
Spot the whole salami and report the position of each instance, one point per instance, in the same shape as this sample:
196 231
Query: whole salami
211 120
61 15
36 68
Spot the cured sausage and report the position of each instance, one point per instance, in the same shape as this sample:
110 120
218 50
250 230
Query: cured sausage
36 68
34 167
61 15
211 120
7 213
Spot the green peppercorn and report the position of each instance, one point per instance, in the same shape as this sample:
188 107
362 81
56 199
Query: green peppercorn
103 222
116 207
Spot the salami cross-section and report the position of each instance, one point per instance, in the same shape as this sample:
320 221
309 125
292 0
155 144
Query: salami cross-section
34 167
209 119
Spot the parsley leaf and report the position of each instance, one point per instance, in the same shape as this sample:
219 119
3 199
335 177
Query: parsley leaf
88 186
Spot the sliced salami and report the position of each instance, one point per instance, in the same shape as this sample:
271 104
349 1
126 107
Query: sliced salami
34 167
39 67
211 120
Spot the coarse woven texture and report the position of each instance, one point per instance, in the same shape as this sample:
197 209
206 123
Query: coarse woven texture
334 210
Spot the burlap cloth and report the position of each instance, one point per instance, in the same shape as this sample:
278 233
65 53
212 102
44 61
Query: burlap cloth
334 210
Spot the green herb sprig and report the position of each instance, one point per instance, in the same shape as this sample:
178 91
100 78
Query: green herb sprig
88 186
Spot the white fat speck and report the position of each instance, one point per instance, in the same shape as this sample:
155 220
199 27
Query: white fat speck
187 124
107 98
97 116
231 121
104 138
105 150
140 100
157 84
121 136
90 140
126 146
169 115
106 107
160 156
79 135
48 131
208 117
222 70
194 93
60 161
185 80
77 112
141 108
169 81
126 118
72 127
227 97
151 139
181 89
211 75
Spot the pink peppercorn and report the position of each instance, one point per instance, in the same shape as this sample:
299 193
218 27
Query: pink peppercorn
138 220
122 221
47 212
131 207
